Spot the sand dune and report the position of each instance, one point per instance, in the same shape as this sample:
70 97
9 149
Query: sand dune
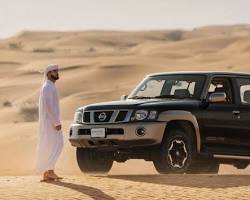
89 61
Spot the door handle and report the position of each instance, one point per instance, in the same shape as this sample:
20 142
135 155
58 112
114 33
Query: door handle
236 112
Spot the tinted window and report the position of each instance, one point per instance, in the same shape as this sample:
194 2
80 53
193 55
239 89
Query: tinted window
244 88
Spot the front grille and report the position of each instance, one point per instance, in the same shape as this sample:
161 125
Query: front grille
86 117
109 131
103 116
121 116
106 116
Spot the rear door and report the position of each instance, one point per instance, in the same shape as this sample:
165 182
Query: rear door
243 101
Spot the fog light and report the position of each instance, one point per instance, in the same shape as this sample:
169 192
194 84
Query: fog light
140 131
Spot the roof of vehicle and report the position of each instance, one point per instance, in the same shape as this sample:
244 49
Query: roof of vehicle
202 73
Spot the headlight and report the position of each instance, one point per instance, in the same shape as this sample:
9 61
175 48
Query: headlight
152 115
78 117
141 115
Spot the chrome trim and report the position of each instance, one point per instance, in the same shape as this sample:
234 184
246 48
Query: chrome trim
113 116
236 112
218 97
102 116
232 157
92 117
129 114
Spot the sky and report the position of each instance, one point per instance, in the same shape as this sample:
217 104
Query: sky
67 15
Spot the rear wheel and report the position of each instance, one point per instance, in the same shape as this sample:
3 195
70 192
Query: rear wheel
243 164
92 161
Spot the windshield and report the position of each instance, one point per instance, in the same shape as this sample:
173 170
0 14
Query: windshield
169 86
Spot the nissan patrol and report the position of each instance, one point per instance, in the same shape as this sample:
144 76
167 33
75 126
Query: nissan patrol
184 122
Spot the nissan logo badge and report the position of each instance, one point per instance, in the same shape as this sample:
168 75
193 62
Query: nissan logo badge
102 116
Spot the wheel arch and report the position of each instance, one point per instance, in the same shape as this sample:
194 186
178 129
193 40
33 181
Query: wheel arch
183 120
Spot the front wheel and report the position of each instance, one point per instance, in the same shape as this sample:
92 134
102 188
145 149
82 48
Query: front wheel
92 161
176 153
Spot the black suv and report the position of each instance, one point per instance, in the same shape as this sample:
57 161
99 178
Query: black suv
184 122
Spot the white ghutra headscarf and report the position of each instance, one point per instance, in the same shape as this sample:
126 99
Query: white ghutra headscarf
49 68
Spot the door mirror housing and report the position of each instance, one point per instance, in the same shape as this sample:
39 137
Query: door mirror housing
124 97
218 97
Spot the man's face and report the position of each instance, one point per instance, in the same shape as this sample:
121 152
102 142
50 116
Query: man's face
53 75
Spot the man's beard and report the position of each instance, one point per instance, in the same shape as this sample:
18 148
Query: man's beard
54 77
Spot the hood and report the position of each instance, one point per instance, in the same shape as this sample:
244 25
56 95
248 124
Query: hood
143 104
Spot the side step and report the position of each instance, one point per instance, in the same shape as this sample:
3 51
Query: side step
231 157
238 152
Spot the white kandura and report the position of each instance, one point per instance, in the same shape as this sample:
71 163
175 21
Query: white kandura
50 142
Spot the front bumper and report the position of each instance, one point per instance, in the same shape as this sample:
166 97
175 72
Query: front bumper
115 138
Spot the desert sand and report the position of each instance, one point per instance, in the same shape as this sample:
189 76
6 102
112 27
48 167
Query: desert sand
128 187
101 66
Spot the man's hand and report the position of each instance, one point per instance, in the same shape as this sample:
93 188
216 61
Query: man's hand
58 128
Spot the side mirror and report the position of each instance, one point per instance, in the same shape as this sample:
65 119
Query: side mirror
124 97
218 97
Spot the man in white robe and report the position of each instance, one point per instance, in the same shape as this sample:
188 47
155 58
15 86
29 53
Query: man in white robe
50 143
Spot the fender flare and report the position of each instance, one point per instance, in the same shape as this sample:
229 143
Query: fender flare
176 115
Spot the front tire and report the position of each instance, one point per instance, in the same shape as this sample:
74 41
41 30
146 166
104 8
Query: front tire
176 153
92 161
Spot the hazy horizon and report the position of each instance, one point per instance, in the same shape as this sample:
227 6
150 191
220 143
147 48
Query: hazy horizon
118 15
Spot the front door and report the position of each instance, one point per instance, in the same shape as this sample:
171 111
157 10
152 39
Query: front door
220 121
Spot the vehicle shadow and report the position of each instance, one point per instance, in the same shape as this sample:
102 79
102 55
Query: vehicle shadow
90 191
197 181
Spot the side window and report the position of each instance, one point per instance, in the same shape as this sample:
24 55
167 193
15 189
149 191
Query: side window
244 88
221 85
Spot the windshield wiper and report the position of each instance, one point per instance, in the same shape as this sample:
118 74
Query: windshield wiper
140 97
165 96
173 97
